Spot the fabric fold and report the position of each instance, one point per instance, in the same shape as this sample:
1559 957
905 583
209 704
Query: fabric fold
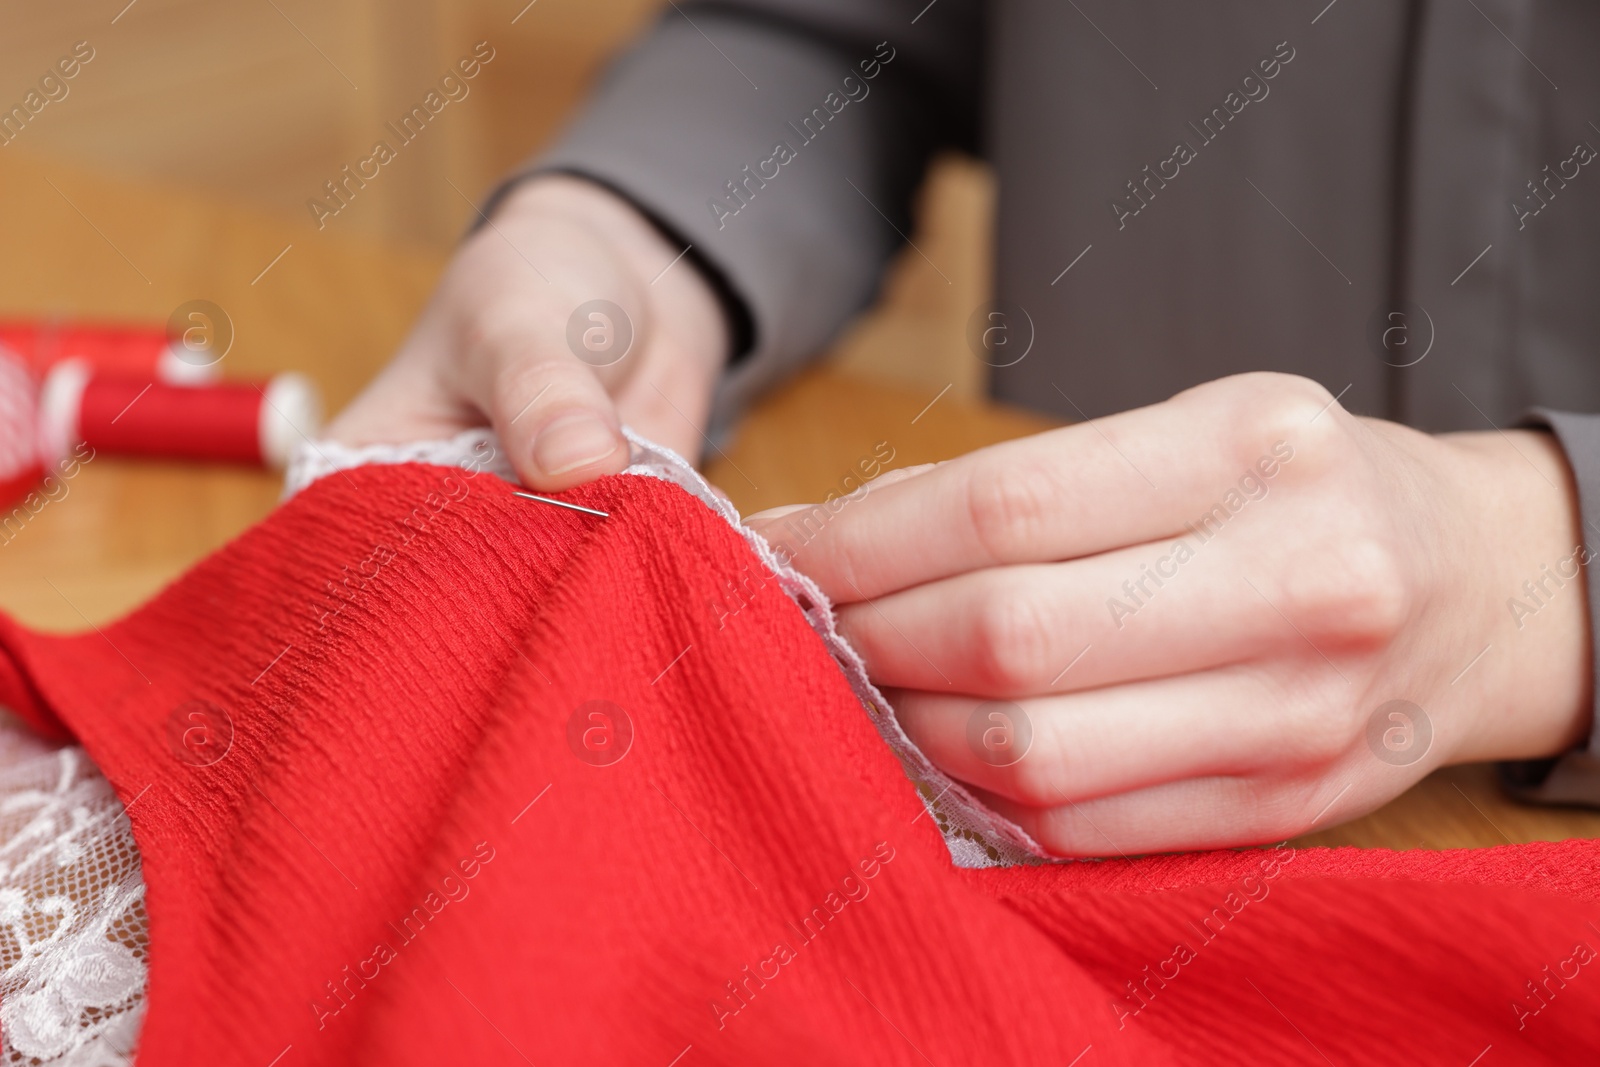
501 787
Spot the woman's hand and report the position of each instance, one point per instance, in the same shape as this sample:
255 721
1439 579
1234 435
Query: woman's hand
511 339
1192 622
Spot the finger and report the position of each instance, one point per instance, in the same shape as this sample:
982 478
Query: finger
1147 612
667 410
1139 476
667 396
763 520
547 406
1196 813
1045 751
406 402
543 314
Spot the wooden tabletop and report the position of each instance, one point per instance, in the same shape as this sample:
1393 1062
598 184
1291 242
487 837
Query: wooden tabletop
334 306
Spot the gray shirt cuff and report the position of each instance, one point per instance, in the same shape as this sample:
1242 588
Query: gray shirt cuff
1573 778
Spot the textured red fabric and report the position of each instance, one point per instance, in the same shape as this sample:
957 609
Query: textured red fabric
399 651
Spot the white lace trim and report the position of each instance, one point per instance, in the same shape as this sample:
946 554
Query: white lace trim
975 835
73 947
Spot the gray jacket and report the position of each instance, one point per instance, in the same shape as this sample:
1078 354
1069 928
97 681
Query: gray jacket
1392 198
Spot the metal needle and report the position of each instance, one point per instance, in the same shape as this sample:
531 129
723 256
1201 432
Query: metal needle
561 504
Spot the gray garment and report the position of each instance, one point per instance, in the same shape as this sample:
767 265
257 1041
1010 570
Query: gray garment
1325 190
1575 777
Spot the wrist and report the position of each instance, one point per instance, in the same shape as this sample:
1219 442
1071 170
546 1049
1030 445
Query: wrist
1536 697
607 215
674 291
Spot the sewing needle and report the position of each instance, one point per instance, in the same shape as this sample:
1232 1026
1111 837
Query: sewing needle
561 504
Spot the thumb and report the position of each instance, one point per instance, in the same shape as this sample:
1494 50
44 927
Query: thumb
548 406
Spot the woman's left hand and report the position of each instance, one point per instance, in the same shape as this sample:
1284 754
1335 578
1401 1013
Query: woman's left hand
1229 618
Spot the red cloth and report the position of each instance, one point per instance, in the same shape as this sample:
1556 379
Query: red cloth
399 651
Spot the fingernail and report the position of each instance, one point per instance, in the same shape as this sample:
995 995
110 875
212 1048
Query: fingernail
775 513
573 441
900 474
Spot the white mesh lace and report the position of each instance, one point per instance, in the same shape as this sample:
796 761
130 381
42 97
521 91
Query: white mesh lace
73 951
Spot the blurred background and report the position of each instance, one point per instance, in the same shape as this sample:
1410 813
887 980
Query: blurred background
178 168
259 102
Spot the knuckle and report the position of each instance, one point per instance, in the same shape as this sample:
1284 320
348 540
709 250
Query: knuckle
1036 780
1285 401
549 383
841 556
1009 506
1358 596
1033 783
1377 601
1011 640
1268 413
1290 408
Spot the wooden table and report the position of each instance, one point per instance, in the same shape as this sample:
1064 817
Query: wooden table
334 306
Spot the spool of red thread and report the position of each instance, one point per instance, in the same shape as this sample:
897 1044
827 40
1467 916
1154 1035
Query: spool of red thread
154 354
230 422
19 454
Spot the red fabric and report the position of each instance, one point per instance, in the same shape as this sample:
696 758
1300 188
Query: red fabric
399 651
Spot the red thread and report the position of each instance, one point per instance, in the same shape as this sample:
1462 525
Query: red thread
237 422
127 416
19 453
141 351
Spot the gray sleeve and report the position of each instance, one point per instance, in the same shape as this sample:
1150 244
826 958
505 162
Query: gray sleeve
1573 778
782 140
